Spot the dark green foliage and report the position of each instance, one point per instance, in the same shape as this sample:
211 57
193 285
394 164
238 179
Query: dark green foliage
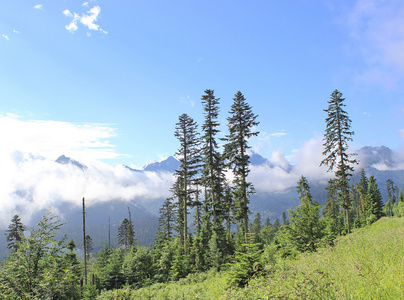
336 138
276 225
241 124
332 216
163 258
90 292
284 219
15 233
228 207
256 225
266 234
304 231
109 268
375 201
364 181
126 234
392 197
181 264
138 266
215 253
391 191
248 263
256 228
70 259
199 251
166 222
198 215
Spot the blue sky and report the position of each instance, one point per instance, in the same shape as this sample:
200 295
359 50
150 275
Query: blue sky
108 79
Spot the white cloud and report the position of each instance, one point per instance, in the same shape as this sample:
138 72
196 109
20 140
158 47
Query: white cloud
31 180
73 24
5 36
31 184
67 13
16 31
90 19
38 6
87 19
279 178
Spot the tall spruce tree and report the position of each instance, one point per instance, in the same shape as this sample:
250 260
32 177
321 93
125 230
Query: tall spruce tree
15 233
166 221
126 234
241 124
304 231
186 131
213 176
363 182
374 196
391 196
336 138
212 172
391 190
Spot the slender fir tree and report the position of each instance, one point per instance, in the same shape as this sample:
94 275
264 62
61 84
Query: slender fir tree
15 233
241 125
304 231
126 234
186 131
166 221
336 138
375 200
212 172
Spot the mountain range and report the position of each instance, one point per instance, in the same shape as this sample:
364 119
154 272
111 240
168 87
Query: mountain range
106 215
378 161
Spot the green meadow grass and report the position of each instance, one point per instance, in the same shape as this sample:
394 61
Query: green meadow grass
367 264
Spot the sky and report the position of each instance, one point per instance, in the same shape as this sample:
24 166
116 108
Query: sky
105 81
112 78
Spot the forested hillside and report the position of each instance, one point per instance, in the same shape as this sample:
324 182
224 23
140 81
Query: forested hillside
368 264
222 242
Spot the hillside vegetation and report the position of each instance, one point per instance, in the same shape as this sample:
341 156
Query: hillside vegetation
367 264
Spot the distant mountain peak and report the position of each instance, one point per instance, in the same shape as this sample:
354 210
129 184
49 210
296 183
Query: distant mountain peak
64 160
170 164
377 157
258 160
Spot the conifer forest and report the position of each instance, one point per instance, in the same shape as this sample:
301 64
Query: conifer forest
210 246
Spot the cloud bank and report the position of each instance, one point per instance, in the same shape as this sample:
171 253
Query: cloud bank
281 177
31 180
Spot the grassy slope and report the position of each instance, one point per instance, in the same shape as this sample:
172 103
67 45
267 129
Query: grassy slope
368 264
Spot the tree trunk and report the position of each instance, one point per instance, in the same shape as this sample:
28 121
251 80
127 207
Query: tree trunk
84 243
